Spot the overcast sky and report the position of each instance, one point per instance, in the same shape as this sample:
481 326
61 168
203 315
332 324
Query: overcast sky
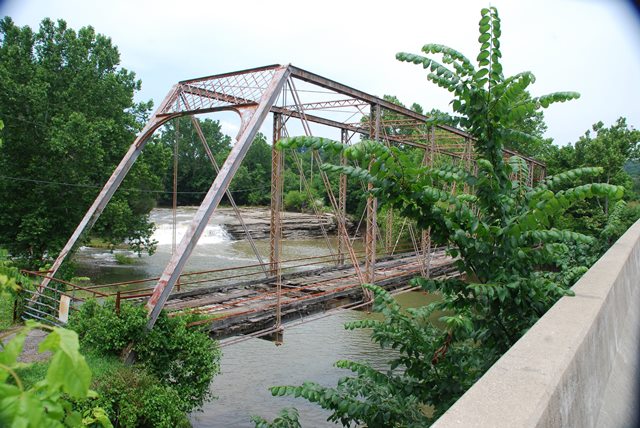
589 46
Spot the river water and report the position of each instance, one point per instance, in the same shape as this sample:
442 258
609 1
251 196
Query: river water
249 368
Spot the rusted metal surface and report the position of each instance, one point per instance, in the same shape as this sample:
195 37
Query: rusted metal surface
275 231
372 209
91 216
343 237
176 264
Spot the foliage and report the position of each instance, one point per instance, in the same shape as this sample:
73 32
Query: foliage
181 357
434 368
47 403
102 330
611 149
12 281
251 183
287 418
70 116
195 172
501 231
297 201
123 259
132 397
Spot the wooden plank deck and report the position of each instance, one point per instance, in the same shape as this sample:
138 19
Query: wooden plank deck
251 307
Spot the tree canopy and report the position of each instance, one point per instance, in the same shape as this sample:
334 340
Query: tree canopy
69 118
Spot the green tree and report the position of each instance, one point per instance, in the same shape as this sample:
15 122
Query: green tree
251 184
500 232
195 172
611 148
70 117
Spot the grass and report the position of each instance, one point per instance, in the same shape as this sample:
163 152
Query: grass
101 243
123 259
100 365
6 311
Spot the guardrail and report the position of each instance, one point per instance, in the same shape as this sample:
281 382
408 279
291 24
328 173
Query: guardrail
54 302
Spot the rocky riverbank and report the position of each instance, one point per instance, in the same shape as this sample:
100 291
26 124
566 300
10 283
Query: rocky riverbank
294 225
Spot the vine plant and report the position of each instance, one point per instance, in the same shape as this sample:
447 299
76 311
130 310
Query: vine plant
501 232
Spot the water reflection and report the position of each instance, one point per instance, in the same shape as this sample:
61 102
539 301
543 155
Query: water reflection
308 354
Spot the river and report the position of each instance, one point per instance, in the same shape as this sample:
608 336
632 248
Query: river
250 367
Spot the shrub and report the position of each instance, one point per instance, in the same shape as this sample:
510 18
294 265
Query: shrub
185 358
181 357
101 329
12 282
132 397
287 418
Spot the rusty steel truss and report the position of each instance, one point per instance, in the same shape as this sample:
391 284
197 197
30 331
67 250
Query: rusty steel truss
317 105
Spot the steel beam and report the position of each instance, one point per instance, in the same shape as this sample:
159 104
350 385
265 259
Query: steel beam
175 266
372 208
275 232
343 238
324 105
103 198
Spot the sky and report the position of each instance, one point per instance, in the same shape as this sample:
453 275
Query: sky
588 46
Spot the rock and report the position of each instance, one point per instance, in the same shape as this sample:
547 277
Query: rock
294 225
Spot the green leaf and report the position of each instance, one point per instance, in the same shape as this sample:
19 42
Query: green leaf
481 73
484 37
483 55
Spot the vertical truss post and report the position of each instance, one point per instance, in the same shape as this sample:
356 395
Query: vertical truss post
343 239
372 207
275 233
199 222
468 160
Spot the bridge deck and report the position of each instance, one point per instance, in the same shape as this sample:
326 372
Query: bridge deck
249 307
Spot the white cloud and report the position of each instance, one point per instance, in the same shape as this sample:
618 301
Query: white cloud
588 46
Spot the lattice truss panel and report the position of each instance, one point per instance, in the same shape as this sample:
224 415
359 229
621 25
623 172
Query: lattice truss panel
222 91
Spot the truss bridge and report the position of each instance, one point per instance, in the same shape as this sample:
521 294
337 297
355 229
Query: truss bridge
260 297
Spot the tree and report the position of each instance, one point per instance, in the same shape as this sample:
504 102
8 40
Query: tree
250 185
500 232
611 149
70 117
195 172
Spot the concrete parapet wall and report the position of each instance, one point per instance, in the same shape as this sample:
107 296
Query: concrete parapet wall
578 365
